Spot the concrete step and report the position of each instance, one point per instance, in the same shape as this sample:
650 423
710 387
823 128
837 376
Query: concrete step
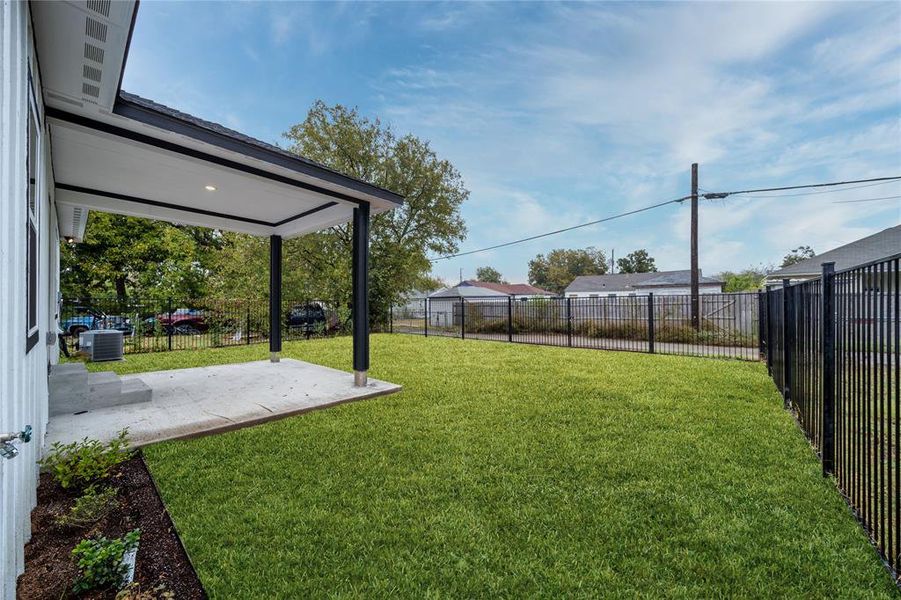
67 379
135 390
75 391
104 383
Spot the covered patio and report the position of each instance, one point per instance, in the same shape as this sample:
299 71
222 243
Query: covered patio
119 153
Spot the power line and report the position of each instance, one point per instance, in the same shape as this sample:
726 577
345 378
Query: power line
831 191
707 195
719 195
866 200
565 229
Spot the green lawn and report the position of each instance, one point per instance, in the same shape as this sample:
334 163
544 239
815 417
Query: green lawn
513 470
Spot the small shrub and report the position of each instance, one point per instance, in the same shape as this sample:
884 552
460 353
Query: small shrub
134 591
90 507
99 561
85 462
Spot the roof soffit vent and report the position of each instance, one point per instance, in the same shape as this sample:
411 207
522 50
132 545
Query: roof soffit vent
82 42
99 6
95 29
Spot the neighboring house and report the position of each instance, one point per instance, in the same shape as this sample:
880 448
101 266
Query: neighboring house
412 305
472 288
865 250
445 308
663 283
72 141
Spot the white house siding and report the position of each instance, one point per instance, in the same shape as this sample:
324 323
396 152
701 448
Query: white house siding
23 378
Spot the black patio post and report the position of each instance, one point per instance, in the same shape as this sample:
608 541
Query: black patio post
275 296
361 294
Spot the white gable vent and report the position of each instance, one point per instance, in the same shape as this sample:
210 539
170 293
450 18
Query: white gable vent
95 29
92 52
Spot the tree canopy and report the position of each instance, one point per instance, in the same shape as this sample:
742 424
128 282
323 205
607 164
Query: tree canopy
128 256
746 280
318 265
638 261
796 255
489 274
558 269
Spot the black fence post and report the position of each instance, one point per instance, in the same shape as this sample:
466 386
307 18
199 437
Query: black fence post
170 324
462 318
828 325
248 325
391 319
509 318
769 331
569 322
427 315
651 323
788 340
760 330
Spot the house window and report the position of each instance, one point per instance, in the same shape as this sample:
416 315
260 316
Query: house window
31 231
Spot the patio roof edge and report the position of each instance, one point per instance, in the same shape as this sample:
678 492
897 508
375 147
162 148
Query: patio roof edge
109 128
199 130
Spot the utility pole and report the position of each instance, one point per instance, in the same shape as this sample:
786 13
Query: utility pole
613 260
695 298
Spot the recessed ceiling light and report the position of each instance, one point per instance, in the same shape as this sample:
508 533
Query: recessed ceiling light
210 188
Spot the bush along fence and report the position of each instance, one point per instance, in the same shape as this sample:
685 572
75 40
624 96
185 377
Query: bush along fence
729 324
833 348
178 324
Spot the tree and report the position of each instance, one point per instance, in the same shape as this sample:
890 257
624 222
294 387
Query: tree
801 253
638 261
131 256
489 274
318 266
557 270
746 280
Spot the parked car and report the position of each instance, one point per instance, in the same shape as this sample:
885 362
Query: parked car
184 321
86 318
310 318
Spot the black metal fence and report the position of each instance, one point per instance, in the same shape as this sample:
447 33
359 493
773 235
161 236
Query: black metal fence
729 323
171 324
832 346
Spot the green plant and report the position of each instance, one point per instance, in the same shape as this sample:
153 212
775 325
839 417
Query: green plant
94 504
82 463
99 561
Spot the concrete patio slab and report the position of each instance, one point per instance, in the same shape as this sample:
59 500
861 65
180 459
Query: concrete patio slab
203 400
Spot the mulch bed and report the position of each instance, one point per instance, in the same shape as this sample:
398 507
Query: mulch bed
161 561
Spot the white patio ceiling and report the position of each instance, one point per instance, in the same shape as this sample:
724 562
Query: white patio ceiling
119 153
100 171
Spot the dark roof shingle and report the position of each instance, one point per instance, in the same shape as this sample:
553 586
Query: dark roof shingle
873 247
627 282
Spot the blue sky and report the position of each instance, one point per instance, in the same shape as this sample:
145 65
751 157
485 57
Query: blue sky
556 114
